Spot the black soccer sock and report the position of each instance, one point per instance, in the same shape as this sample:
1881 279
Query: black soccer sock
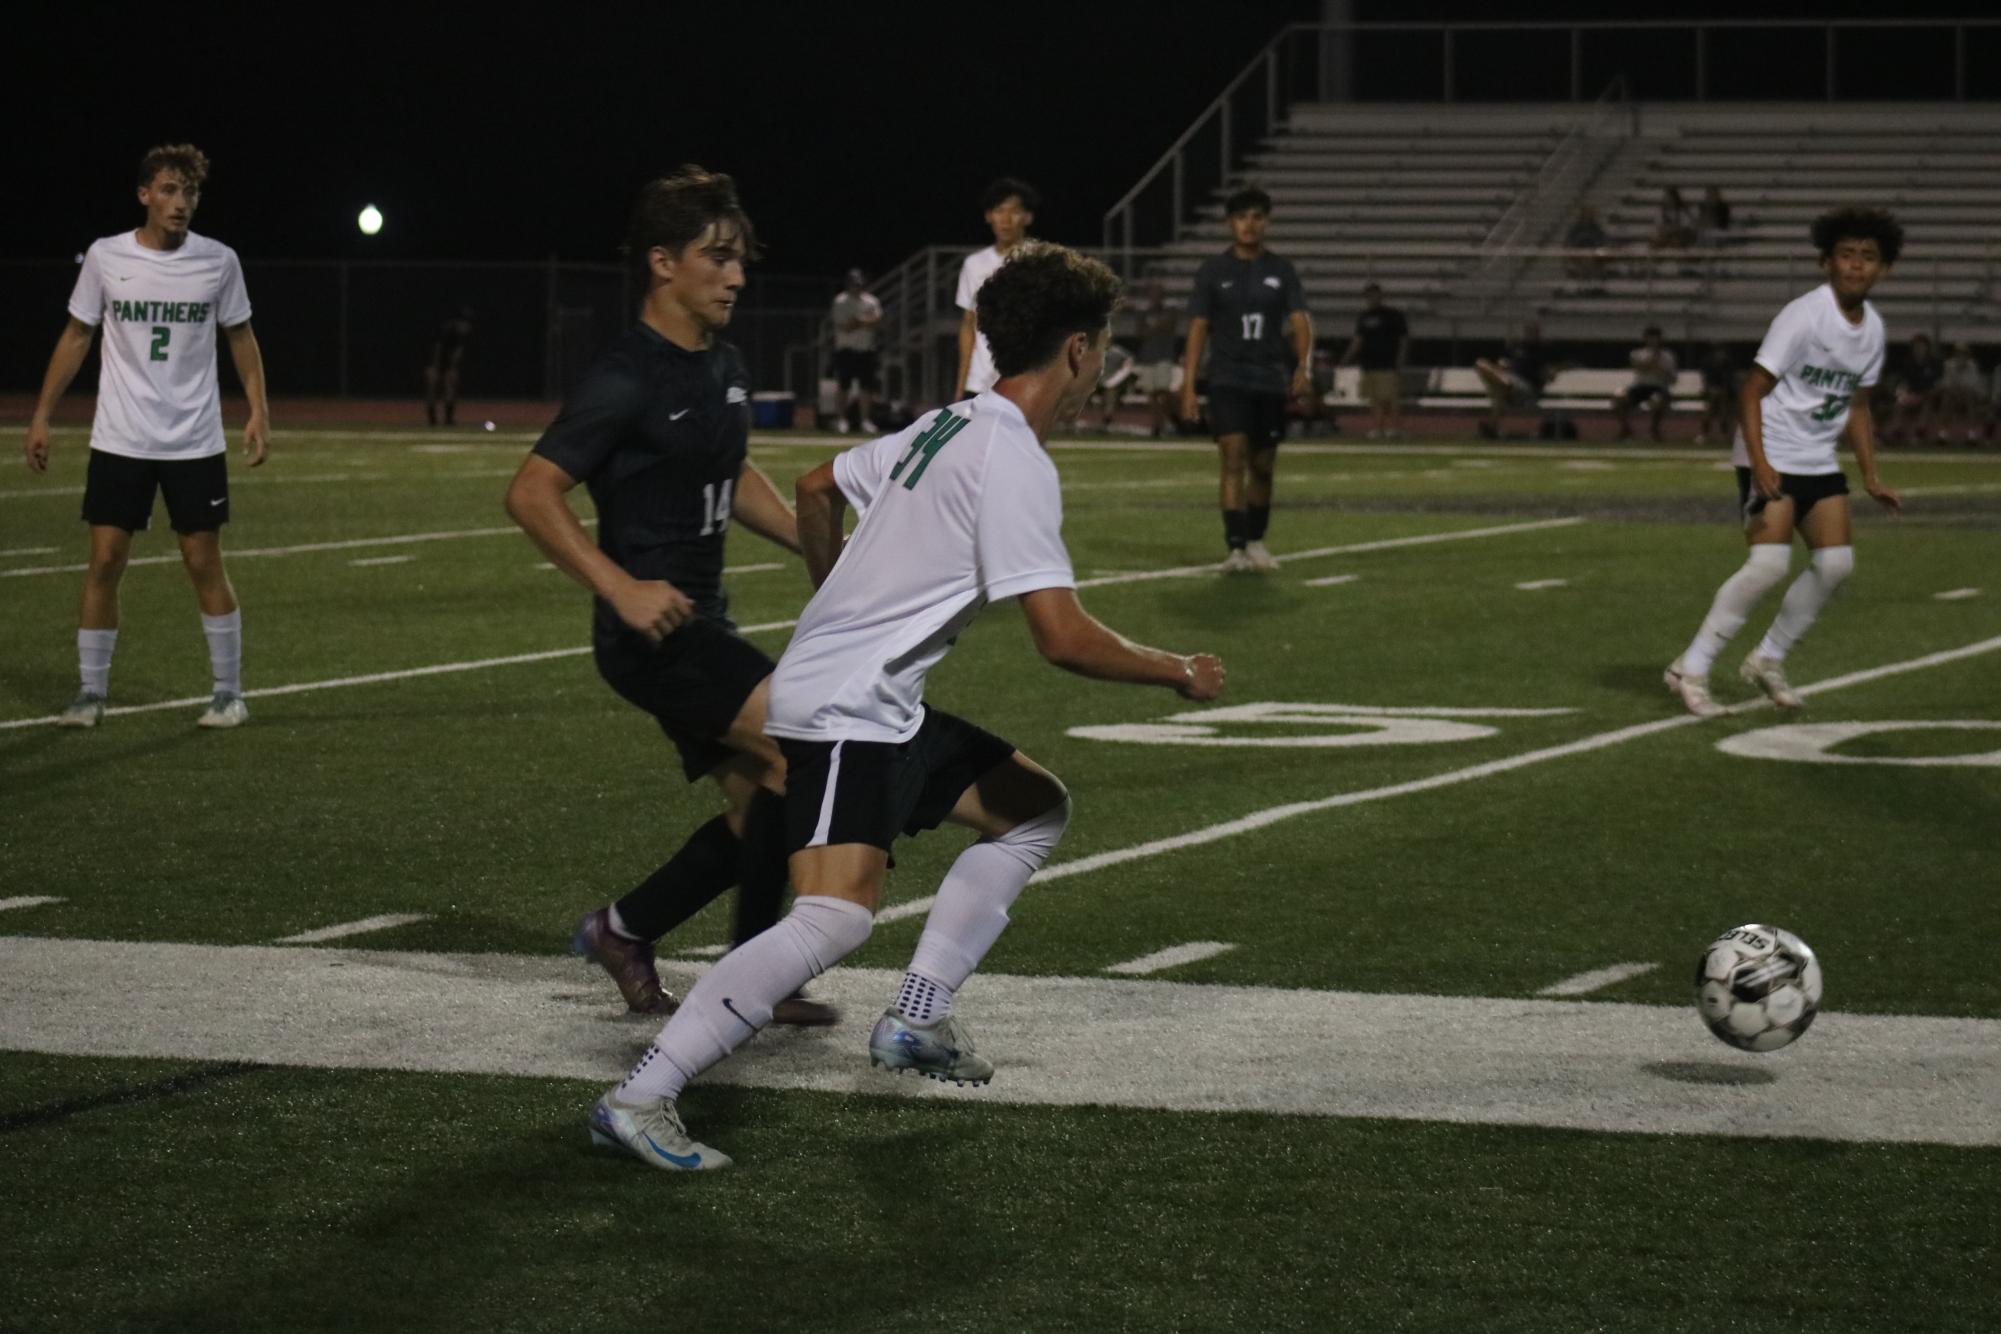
1257 518
705 866
761 867
1234 523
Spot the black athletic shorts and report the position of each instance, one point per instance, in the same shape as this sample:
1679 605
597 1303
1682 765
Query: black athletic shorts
1634 395
1246 412
853 366
118 491
693 682
872 791
1805 488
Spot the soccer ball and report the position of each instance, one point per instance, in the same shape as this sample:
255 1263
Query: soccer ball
1758 987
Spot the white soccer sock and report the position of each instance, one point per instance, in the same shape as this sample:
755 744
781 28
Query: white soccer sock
93 657
734 999
1805 598
971 912
225 649
1763 568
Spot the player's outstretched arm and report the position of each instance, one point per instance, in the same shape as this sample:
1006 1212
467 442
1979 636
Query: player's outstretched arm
1751 421
249 360
536 501
822 510
72 346
1861 432
760 508
1071 638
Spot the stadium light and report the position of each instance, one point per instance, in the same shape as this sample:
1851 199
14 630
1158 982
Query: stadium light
370 220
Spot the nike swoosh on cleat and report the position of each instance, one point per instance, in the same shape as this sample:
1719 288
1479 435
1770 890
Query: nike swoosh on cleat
679 1160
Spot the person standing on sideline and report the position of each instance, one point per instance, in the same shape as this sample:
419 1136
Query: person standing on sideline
857 319
1249 304
659 432
1807 389
1381 344
441 372
160 292
962 509
1009 205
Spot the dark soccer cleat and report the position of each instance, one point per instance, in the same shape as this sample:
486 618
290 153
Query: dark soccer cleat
802 1012
630 963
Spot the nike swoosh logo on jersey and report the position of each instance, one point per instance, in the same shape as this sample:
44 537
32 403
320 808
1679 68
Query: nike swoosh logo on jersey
1227 282
213 503
123 277
677 416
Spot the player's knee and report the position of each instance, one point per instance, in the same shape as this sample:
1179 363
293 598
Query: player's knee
1765 565
1034 839
826 929
1833 564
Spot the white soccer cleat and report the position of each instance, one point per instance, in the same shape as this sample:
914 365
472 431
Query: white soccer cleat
1237 562
225 710
1693 690
1261 558
940 1051
651 1132
1769 675
86 710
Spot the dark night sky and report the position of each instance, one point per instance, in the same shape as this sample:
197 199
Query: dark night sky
858 132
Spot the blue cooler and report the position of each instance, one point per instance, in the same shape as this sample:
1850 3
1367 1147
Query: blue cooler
771 409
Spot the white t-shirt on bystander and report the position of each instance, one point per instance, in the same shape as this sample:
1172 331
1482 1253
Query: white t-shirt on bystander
979 266
1819 359
960 509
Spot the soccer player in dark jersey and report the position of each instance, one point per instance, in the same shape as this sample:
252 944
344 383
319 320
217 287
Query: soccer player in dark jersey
659 433
441 372
1381 342
1248 303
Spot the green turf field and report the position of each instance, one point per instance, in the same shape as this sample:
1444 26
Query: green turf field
1381 1090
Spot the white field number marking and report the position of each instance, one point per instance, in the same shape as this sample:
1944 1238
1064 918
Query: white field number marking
1361 724
1814 743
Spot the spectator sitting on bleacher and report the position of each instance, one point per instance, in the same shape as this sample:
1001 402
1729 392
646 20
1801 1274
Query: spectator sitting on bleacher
1654 370
1586 233
1719 396
1961 396
1917 393
1672 232
1712 218
1516 379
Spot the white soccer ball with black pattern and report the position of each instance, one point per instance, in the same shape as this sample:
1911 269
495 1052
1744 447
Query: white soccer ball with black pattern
1758 987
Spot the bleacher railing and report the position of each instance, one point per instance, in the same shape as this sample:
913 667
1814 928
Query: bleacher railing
1661 60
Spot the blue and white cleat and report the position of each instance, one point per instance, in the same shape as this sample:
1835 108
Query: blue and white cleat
86 710
942 1050
225 710
651 1132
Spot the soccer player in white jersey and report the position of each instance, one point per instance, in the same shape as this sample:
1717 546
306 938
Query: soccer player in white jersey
160 292
1808 387
1009 205
962 509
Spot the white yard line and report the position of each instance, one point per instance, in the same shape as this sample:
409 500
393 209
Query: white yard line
1273 815
1332 580
357 928
1314 553
28 901
1597 979
1537 585
28 551
382 560
1195 951
1957 594
248 553
1586 1065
